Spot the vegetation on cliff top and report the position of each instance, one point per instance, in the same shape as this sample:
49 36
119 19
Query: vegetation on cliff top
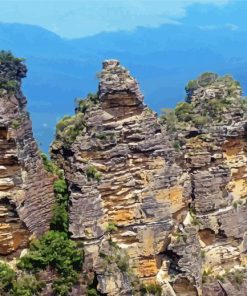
209 78
7 59
198 112
7 56
69 127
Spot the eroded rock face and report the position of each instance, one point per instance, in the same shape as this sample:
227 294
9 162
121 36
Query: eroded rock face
179 215
121 169
214 155
26 193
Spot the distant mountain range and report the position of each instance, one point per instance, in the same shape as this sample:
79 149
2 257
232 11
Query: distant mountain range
162 59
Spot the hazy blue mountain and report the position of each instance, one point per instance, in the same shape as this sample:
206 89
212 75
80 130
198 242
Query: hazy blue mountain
162 59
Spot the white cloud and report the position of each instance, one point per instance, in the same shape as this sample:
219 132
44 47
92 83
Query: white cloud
75 18
231 27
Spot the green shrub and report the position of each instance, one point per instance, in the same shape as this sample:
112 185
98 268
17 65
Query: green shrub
92 292
206 274
92 287
93 174
27 285
7 56
220 278
216 106
24 285
170 118
176 145
60 186
55 250
101 136
182 111
153 289
50 166
62 286
194 219
105 136
116 255
63 123
7 276
192 85
82 105
60 218
200 111
10 85
180 237
123 262
207 78
244 105
239 277
232 85
15 124
200 120
68 128
111 227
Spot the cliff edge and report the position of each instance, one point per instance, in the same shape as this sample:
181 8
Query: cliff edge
26 193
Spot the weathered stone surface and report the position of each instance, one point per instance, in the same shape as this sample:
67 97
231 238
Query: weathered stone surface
26 193
119 91
180 216
215 158
140 187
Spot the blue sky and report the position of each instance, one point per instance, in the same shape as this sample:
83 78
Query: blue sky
79 18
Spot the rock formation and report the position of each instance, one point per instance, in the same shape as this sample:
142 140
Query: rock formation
158 203
26 193
139 187
211 131
170 195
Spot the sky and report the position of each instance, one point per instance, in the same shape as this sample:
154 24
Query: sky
80 18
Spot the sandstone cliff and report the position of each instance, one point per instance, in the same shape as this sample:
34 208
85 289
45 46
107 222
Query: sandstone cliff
157 203
121 170
211 134
167 195
26 193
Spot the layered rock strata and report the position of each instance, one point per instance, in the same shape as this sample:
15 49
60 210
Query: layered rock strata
214 154
121 171
169 198
26 192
